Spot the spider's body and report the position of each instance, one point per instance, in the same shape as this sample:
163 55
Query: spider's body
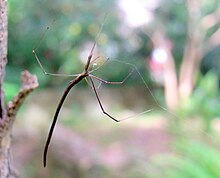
78 77
86 74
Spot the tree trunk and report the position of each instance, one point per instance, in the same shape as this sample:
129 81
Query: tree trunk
5 162
7 113
3 49
193 50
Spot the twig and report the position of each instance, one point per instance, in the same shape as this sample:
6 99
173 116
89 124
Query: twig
29 83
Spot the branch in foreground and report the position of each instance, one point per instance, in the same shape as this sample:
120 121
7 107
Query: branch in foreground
29 83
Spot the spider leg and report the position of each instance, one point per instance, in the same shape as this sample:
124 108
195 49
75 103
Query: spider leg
94 44
108 82
38 60
48 73
135 69
107 114
100 103
90 85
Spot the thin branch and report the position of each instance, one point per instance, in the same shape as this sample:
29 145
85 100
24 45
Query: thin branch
211 19
29 83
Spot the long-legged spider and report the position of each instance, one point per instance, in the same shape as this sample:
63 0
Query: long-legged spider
86 74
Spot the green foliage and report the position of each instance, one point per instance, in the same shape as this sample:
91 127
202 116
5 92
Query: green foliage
193 160
205 100
73 27
74 24
10 90
174 15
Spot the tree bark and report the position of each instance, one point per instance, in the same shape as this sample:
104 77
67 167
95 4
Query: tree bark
7 113
5 165
193 50
3 49
179 86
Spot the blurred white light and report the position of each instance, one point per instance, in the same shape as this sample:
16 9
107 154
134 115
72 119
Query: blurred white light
159 55
138 12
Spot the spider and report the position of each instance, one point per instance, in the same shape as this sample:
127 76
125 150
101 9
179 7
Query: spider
86 74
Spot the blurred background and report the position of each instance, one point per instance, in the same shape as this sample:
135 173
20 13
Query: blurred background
175 46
